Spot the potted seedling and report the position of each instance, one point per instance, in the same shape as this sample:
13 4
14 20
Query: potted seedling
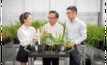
5 35
13 32
68 44
95 36
58 42
38 24
43 39
46 38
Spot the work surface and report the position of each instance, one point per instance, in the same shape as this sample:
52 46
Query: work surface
48 54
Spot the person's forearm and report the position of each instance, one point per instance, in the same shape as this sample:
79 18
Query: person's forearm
26 42
80 39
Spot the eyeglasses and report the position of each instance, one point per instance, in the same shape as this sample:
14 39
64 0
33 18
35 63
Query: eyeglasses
68 12
51 18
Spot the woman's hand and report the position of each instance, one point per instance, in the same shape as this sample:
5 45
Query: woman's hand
35 38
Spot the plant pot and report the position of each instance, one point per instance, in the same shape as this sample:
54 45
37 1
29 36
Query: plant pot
16 41
41 48
87 62
57 48
100 45
6 40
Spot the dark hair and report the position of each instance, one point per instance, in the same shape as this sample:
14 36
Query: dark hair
24 16
73 8
56 13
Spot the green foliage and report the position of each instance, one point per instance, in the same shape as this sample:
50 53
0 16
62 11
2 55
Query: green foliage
58 40
38 24
44 36
10 32
5 32
94 34
64 26
13 30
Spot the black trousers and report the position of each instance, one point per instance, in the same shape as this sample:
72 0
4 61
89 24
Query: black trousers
75 56
48 61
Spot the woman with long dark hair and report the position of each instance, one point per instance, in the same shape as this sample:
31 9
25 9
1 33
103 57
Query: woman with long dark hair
27 37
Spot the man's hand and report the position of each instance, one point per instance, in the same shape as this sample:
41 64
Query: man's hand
75 44
69 45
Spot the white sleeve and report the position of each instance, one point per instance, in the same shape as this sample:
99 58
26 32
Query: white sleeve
83 35
34 34
24 41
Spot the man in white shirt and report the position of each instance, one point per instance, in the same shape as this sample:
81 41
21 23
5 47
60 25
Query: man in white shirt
76 32
52 26
55 29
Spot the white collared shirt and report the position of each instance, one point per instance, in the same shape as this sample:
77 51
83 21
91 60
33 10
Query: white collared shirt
56 29
76 31
25 35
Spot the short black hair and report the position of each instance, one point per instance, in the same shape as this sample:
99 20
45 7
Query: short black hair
24 16
56 13
73 8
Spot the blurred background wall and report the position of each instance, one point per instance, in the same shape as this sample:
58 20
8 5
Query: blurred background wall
90 11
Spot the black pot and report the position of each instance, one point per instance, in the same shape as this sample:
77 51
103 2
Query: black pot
57 48
16 41
87 62
41 48
6 40
100 45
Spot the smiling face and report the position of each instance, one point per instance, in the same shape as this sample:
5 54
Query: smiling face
28 20
52 18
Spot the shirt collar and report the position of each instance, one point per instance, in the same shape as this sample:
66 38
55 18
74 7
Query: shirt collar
53 25
76 19
24 27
